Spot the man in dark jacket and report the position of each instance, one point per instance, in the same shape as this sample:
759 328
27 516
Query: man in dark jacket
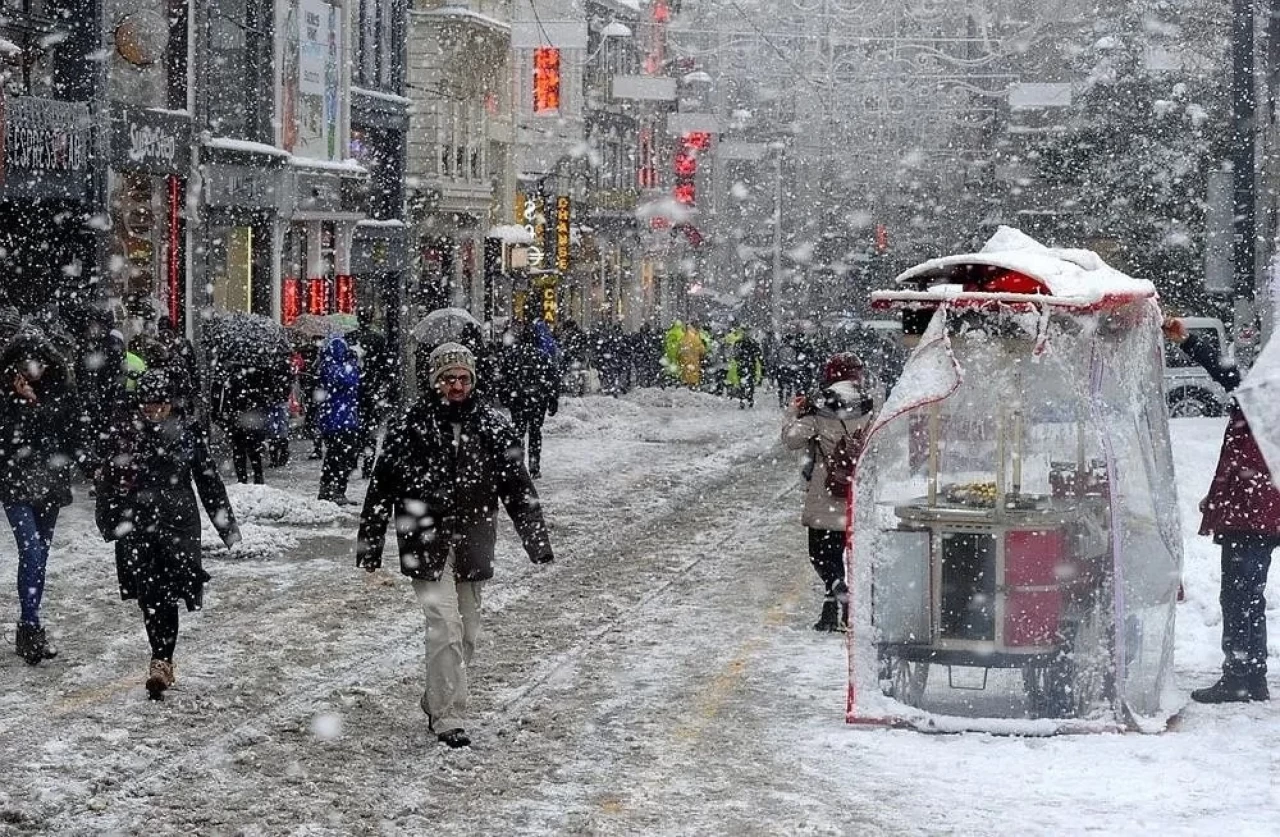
444 467
531 390
1242 513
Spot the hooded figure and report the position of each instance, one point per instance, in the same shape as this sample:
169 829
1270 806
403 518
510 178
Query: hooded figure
339 419
446 466
159 463
830 427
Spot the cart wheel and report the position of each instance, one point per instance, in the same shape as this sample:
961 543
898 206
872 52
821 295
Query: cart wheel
1033 683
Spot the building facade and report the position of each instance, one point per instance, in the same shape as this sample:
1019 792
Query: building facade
279 195
50 190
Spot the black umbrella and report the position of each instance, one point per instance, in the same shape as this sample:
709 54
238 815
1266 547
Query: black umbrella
239 339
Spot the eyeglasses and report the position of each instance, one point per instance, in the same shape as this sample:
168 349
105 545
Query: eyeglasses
450 380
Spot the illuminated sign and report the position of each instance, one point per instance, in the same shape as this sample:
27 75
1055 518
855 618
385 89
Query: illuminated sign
290 301
546 81
563 213
317 296
549 307
346 293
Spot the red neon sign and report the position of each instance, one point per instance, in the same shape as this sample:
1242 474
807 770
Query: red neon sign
175 268
290 300
546 80
346 293
318 296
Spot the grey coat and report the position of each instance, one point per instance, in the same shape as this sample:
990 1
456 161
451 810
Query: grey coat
823 428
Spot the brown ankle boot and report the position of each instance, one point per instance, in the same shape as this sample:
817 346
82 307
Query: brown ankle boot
159 678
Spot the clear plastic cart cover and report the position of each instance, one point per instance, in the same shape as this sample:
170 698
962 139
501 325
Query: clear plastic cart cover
1015 552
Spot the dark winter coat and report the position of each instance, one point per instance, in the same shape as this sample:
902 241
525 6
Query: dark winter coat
146 500
1242 497
248 395
39 442
442 473
377 374
530 380
99 377
339 381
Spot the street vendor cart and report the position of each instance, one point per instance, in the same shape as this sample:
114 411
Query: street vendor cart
1014 548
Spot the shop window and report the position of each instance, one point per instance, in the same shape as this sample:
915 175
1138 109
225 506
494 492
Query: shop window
239 68
231 249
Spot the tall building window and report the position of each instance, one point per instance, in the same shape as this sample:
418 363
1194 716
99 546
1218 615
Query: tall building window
239 62
546 81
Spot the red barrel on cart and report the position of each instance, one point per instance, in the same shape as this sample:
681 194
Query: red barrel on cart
1034 581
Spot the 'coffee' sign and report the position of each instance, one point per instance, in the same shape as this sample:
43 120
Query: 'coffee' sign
150 141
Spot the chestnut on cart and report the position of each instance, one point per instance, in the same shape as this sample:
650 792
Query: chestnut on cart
1015 548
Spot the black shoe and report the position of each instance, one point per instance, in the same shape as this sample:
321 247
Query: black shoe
830 618
1234 689
33 645
455 738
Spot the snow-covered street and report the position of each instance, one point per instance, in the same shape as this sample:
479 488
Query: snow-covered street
660 678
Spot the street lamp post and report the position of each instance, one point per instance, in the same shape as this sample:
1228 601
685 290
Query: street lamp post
1244 143
775 287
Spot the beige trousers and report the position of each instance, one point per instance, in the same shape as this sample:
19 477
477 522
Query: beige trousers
452 609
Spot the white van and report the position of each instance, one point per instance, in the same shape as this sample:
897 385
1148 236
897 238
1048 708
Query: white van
1189 391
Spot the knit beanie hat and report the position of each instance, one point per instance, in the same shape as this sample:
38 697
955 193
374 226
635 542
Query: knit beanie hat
154 387
451 356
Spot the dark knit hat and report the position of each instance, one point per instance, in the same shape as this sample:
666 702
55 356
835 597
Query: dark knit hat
154 387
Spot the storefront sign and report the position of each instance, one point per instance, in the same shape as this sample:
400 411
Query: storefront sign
46 135
319 192
564 212
149 141
242 187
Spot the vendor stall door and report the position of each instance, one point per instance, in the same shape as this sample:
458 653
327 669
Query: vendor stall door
967 605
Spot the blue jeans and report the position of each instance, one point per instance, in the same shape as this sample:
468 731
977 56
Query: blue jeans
33 531
1245 561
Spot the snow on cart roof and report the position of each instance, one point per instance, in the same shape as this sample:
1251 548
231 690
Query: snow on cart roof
1078 278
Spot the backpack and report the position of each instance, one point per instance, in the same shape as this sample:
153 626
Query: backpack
842 461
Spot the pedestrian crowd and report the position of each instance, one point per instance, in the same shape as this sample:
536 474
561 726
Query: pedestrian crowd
135 418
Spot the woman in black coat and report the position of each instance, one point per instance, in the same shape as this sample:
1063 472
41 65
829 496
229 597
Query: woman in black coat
41 436
147 502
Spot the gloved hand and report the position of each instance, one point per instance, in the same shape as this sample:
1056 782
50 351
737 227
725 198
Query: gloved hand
232 536
553 407
543 558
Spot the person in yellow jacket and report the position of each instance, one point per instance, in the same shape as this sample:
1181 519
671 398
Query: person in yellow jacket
690 355
671 350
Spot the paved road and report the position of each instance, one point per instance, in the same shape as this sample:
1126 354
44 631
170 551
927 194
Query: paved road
631 687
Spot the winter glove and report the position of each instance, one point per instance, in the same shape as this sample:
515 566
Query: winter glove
553 407
542 557
232 536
